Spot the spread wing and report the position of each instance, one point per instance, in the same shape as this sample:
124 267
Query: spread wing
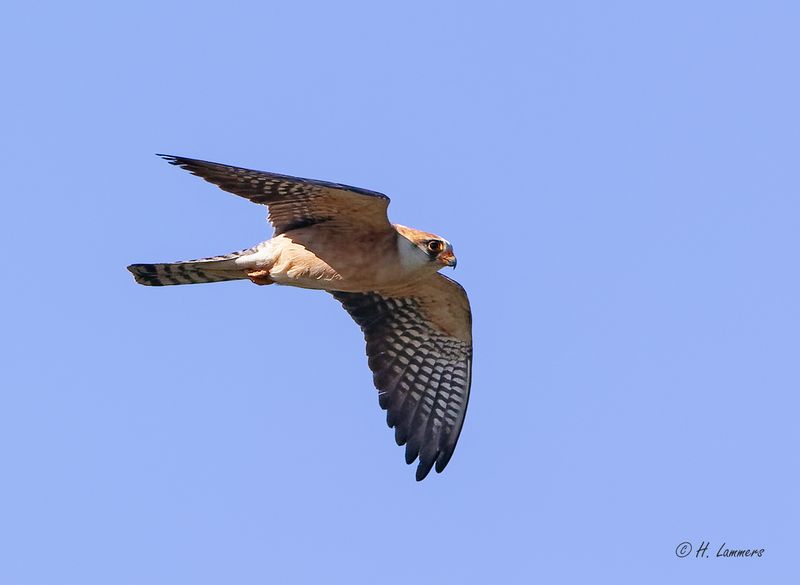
419 346
295 202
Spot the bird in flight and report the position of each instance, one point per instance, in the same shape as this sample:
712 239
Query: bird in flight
417 323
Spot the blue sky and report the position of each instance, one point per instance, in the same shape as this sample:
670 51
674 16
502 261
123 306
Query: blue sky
620 183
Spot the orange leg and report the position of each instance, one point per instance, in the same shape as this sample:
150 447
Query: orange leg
260 277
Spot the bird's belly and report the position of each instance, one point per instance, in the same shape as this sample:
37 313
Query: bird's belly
325 268
321 276
305 270
302 281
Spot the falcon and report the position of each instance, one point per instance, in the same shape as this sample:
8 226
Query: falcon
416 322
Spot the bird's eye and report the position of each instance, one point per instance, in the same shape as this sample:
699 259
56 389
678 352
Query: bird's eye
435 246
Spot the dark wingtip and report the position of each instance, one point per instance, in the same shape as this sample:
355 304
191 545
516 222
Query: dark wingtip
171 159
423 469
400 434
443 460
411 452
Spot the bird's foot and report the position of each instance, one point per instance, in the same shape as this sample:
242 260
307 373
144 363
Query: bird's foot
260 277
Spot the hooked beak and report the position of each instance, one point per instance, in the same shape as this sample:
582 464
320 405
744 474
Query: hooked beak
448 259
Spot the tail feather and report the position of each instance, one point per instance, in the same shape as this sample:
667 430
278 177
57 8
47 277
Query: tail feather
214 269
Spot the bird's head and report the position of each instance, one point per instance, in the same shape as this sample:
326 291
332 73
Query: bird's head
422 249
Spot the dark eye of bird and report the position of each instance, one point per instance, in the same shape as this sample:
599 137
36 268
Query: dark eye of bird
435 246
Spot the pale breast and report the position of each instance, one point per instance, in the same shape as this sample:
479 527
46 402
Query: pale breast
322 259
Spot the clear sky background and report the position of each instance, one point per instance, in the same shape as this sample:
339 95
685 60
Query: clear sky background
620 182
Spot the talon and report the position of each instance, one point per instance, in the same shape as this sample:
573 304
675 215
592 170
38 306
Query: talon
260 277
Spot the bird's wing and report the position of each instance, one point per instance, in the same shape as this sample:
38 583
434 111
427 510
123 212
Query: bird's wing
295 202
419 344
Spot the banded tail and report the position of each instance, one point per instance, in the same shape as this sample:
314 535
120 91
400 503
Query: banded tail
214 269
